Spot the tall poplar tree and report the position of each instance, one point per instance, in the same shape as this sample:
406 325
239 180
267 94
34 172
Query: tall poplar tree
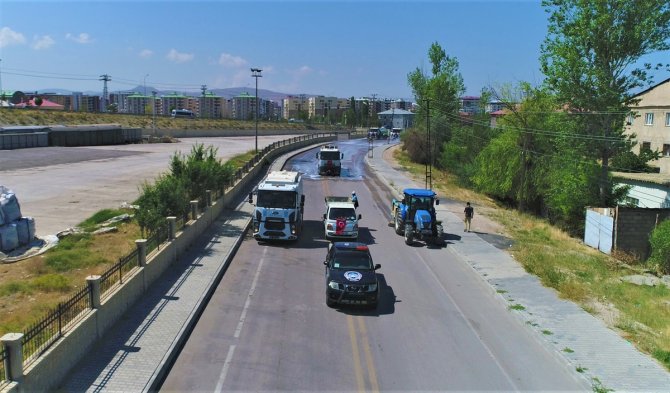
438 93
590 57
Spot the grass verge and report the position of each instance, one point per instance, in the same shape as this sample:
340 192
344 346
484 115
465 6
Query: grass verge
641 314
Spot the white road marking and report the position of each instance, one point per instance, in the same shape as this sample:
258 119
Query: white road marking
240 324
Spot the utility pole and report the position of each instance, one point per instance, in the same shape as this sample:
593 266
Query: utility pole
203 88
256 73
1 93
373 111
429 167
153 104
105 78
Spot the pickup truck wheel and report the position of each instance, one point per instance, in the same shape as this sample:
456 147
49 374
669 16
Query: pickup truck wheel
398 224
409 235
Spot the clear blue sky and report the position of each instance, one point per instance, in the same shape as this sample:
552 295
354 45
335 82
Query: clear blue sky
333 48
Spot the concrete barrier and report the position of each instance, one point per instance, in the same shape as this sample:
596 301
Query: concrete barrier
10 141
48 370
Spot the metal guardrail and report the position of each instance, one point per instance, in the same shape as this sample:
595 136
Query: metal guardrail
40 336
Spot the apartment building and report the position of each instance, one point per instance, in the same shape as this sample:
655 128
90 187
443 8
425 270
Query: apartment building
326 107
211 106
244 107
650 122
470 104
294 106
139 104
175 101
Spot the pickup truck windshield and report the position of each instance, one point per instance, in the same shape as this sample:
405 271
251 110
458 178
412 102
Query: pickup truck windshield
276 199
352 260
342 212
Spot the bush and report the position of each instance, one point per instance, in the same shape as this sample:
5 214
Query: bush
190 176
660 247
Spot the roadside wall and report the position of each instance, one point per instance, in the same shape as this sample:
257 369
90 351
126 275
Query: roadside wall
48 371
633 227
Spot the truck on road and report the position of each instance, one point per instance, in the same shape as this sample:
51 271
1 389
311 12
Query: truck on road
329 160
280 204
340 220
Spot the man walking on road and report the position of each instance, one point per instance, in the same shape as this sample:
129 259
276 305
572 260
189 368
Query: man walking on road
469 213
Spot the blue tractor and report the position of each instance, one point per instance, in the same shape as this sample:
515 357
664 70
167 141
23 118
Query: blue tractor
414 217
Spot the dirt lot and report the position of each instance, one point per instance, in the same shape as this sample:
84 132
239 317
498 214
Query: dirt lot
62 186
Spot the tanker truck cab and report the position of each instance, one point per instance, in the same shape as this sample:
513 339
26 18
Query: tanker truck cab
278 214
329 160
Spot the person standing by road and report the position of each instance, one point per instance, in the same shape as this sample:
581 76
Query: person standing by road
469 213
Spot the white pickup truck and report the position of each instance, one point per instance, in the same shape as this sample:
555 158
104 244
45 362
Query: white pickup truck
340 221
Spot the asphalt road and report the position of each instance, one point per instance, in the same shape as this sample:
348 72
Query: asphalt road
62 186
438 327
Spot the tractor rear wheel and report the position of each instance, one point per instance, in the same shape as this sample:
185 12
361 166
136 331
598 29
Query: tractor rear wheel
398 223
409 235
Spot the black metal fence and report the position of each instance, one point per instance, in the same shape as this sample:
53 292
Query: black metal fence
158 237
40 336
3 357
46 331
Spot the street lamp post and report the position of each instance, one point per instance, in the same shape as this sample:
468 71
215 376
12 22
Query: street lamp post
145 84
256 73
153 104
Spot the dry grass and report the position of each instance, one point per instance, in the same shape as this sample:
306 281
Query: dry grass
32 287
30 117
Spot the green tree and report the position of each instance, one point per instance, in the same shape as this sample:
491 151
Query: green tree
467 141
38 101
438 95
589 57
189 178
660 247
167 196
525 138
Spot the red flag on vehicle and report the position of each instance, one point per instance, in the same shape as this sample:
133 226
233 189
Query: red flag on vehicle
340 224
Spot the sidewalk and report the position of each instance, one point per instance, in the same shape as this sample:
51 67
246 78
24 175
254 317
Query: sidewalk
136 352
600 352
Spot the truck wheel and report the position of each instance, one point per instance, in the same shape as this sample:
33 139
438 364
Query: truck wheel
398 224
440 235
409 235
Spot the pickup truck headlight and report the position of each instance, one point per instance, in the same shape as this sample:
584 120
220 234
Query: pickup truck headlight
372 287
334 285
